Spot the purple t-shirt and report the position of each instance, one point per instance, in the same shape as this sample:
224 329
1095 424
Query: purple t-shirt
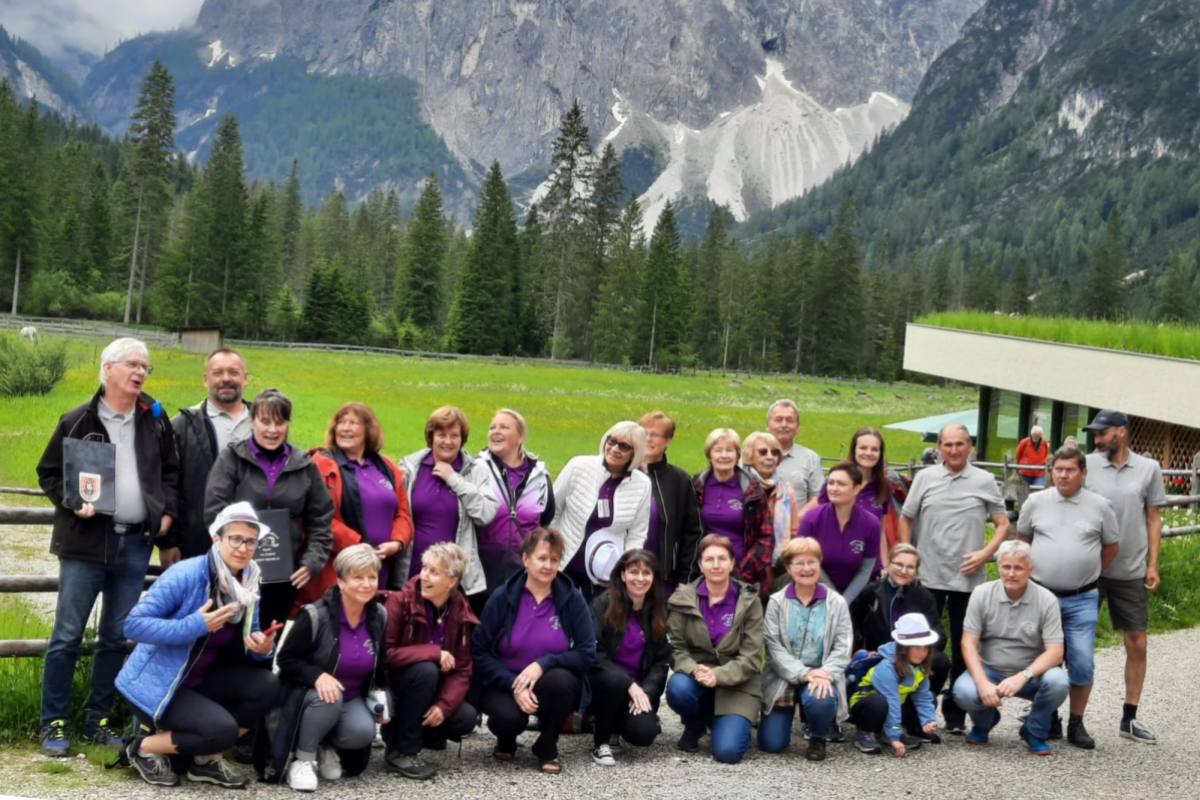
536 632
629 655
357 660
379 506
219 638
434 512
272 463
866 499
654 535
843 551
718 617
437 627
602 516
722 512
501 538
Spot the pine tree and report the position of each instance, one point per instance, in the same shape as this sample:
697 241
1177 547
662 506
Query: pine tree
982 291
617 307
225 178
1104 283
283 318
941 288
706 324
838 298
480 318
662 312
1017 290
535 318
1176 302
292 211
603 209
23 200
418 295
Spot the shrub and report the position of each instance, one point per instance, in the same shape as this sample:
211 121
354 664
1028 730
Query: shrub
29 368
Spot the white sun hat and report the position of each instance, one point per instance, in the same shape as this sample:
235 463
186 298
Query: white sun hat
912 630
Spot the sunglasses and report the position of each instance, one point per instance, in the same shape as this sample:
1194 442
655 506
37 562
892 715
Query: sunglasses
763 451
622 447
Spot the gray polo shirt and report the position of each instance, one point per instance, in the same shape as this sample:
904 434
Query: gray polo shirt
1067 534
131 506
228 430
950 512
1013 633
1132 488
801 468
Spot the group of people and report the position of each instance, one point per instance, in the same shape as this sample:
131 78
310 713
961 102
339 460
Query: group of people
429 593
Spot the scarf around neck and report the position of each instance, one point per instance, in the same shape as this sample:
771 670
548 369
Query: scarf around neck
242 592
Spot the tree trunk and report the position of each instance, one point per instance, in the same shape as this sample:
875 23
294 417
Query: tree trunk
17 283
187 306
142 280
137 230
225 288
653 330
799 336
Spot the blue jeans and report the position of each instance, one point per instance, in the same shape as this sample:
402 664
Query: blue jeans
775 729
695 705
1034 480
1079 617
1047 692
79 583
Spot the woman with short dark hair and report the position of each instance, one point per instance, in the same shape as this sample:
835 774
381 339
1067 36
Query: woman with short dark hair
532 651
849 535
632 655
716 634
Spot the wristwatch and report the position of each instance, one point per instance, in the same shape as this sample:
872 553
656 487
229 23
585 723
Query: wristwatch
1028 673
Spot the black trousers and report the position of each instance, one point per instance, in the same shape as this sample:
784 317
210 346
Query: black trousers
610 710
558 692
954 604
585 586
414 688
204 720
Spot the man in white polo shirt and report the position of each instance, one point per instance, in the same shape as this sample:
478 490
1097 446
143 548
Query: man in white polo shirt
1073 534
1134 486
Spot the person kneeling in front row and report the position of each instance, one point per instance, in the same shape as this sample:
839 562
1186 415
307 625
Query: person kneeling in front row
335 678
429 655
190 679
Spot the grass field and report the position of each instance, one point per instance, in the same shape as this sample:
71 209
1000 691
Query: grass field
567 408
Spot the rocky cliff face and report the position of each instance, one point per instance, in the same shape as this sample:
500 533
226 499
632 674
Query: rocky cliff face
497 76
31 76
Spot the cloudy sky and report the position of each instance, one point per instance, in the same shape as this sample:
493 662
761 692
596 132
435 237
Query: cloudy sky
93 26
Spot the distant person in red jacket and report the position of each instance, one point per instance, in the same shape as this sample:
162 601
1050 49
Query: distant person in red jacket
1033 449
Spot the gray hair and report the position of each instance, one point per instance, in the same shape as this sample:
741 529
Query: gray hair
452 557
783 401
632 432
119 350
1036 430
1015 548
356 558
963 429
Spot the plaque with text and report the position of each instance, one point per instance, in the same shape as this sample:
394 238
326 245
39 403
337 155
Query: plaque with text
274 553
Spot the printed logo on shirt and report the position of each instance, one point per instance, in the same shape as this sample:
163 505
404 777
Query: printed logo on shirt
735 503
555 624
369 646
727 620
1083 526
387 483
857 547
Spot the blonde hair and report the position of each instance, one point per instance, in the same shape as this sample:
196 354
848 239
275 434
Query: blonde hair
904 548
453 559
356 558
716 436
800 546
752 441
522 428
627 430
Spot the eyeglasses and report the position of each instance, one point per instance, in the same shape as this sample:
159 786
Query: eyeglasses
237 543
896 565
136 365
763 451
622 447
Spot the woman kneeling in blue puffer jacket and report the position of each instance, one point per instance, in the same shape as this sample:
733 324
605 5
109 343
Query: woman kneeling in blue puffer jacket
191 680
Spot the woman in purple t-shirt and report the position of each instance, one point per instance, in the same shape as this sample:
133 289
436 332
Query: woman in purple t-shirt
632 655
848 535
868 451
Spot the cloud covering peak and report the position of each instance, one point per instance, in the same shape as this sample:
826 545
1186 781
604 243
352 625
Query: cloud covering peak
58 27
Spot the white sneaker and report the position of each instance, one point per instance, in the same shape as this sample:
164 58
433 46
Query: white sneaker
329 765
603 756
302 777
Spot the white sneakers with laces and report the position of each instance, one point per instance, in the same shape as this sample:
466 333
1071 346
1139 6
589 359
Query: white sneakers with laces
302 776
603 756
329 765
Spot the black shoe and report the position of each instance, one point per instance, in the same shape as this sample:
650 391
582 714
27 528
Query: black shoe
867 743
1136 731
1055 726
689 742
955 726
815 750
217 772
910 742
435 743
410 766
1078 736
927 738
106 735
155 770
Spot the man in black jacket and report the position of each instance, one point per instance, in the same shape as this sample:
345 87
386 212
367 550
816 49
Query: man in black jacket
201 432
101 554
675 528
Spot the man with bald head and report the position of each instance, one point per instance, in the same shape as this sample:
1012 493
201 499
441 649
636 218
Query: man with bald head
946 515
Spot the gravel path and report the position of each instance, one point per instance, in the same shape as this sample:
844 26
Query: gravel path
1116 769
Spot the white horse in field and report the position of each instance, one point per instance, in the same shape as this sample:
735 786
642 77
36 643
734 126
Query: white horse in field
29 333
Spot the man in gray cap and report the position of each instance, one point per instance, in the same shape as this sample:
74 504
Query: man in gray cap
1134 486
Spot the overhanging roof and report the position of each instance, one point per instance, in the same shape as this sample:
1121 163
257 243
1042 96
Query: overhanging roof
929 427
1149 386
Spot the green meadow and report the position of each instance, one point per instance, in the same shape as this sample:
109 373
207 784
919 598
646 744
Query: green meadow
567 408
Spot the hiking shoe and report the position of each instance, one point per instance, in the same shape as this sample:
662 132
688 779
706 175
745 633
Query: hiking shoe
218 772
603 756
1132 729
926 738
955 727
329 765
302 776
1037 746
1055 726
815 750
910 742
106 735
867 743
1078 736
689 742
55 743
154 769
410 766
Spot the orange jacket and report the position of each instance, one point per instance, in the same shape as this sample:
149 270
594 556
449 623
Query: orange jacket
1027 453
343 535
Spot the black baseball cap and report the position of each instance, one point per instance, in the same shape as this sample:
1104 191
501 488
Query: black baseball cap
1107 419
